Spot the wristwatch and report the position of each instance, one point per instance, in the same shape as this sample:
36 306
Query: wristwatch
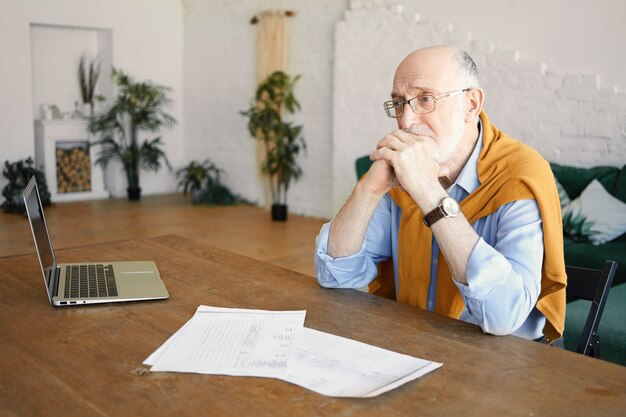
447 208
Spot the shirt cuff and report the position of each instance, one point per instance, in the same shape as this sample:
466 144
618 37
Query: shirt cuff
352 271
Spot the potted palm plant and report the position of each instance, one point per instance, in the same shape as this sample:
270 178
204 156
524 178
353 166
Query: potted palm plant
137 107
282 140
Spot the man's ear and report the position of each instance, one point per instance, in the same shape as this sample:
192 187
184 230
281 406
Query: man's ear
476 98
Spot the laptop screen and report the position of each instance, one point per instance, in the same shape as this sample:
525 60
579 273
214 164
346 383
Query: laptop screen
40 231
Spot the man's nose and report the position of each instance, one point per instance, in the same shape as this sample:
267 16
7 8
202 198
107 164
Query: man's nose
408 118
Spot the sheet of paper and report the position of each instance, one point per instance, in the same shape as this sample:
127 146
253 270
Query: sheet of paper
219 341
231 342
339 367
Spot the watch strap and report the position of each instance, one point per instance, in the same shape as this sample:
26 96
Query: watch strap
434 215
448 207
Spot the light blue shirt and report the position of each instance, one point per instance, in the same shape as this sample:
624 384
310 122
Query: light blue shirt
504 269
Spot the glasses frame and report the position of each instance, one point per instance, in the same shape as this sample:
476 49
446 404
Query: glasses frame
390 105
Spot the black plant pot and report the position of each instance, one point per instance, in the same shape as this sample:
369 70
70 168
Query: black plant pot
279 212
196 196
134 193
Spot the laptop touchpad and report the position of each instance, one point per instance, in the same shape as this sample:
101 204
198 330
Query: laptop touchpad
140 277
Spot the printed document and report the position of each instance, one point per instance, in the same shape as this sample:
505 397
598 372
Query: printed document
231 342
276 344
339 367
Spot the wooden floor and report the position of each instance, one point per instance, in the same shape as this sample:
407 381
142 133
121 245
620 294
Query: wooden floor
246 230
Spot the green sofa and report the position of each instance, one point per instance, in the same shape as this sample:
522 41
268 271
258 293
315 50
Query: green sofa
611 330
574 180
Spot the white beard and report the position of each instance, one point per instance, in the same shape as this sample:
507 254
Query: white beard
447 146
450 145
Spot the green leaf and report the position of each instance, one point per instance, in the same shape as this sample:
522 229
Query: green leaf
138 106
577 227
283 141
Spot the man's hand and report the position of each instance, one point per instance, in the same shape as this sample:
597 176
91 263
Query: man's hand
413 164
380 178
400 159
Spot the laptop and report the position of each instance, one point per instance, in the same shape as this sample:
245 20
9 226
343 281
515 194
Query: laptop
88 283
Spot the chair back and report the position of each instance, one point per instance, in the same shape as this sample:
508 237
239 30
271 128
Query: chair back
591 285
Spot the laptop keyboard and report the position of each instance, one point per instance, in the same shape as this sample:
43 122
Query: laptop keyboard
89 281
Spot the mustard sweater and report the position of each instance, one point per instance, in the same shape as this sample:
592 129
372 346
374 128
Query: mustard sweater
508 170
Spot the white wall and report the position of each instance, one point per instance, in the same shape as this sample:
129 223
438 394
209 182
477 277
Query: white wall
572 36
220 62
55 52
568 118
147 43
218 44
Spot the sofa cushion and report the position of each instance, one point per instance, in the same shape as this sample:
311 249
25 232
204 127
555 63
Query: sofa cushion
362 165
587 255
575 179
595 215
620 186
563 197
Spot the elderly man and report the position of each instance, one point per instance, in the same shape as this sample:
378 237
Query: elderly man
469 218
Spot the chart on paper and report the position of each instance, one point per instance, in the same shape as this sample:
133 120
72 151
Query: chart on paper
258 344
234 343
340 367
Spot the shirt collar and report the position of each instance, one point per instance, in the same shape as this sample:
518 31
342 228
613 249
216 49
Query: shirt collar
468 178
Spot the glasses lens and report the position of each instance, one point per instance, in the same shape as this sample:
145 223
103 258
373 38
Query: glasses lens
423 104
390 108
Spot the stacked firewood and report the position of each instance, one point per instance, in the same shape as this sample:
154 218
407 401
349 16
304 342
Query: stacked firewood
73 169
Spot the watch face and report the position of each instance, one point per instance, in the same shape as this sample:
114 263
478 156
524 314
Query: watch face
450 206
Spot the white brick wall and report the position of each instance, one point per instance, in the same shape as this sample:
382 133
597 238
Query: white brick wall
219 67
344 59
569 118
347 60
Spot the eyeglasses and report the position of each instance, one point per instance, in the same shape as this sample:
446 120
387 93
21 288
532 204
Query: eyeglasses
420 104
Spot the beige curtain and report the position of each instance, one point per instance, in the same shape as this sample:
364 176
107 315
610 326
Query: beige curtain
271 43
271 56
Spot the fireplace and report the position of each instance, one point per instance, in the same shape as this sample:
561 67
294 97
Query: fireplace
63 149
73 167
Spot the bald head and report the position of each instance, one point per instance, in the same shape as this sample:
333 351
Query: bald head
441 85
444 67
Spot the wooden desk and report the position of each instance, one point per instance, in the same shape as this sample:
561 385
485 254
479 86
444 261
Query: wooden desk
86 361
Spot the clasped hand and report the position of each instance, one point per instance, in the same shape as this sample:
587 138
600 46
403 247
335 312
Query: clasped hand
406 160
